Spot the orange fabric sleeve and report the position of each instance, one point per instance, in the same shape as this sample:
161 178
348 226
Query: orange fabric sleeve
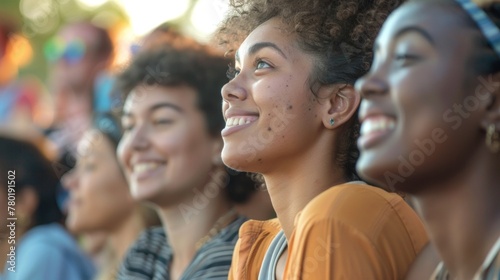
354 232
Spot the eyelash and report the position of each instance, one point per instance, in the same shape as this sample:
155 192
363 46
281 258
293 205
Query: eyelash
403 58
232 72
162 121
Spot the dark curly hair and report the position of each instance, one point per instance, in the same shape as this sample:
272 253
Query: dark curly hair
32 170
340 34
202 69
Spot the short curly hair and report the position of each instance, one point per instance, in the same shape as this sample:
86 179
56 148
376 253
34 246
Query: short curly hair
202 69
339 34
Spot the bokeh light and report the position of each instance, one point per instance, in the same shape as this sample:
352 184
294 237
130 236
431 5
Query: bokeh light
145 15
206 16
91 3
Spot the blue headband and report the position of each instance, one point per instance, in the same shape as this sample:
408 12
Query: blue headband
487 27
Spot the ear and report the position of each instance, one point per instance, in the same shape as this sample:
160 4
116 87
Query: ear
217 146
492 113
340 106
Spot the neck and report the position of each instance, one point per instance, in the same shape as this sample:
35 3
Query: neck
187 223
295 183
123 236
462 215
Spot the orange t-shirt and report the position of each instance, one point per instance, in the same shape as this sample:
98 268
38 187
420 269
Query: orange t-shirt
350 231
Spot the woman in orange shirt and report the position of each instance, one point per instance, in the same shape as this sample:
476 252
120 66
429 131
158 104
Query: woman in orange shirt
431 126
290 111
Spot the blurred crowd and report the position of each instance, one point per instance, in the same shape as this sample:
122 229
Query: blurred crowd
304 141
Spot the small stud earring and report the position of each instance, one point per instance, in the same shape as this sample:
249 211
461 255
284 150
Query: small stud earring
332 121
493 139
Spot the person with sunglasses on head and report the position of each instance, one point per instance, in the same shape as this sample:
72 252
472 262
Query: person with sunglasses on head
431 126
79 57
290 110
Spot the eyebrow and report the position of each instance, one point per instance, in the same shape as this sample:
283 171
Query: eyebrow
258 46
419 30
156 107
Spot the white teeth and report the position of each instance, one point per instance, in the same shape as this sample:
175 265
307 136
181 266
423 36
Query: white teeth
377 124
234 121
142 167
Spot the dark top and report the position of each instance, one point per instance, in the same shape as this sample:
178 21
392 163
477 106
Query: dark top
149 258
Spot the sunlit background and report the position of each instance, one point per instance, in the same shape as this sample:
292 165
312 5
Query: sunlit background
38 20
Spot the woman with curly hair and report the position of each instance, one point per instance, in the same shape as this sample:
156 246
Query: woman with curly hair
290 111
431 126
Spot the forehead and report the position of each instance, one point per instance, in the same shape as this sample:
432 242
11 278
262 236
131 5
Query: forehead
142 98
273 31
445 22
93 142
79 32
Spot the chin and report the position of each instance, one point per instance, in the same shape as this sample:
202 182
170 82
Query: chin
234 160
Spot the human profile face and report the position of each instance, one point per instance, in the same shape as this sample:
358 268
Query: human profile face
270 111
420 113
99 196
166 149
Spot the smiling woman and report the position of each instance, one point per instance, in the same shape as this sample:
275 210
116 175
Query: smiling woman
100 201
290 111
430 126
171 155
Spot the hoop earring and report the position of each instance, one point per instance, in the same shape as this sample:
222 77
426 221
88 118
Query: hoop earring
493 139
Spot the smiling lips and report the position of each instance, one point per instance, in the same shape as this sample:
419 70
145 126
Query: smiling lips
240 120
374 129
236 123
142 170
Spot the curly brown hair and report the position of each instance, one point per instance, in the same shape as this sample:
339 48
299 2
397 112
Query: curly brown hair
202 69
339 34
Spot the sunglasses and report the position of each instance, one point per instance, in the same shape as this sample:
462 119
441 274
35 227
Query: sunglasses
72 52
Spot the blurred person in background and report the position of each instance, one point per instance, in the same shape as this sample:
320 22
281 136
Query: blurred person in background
170 152
79 56
100 200
43 248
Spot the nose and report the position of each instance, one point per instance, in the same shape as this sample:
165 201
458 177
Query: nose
371 84
233 90
70 179
134 140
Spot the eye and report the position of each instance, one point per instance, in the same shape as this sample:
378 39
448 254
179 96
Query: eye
127 124
405 59
261 64
87 166
232 72
127 127
163 121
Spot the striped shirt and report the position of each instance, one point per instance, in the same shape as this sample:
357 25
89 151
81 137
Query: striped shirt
150 257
